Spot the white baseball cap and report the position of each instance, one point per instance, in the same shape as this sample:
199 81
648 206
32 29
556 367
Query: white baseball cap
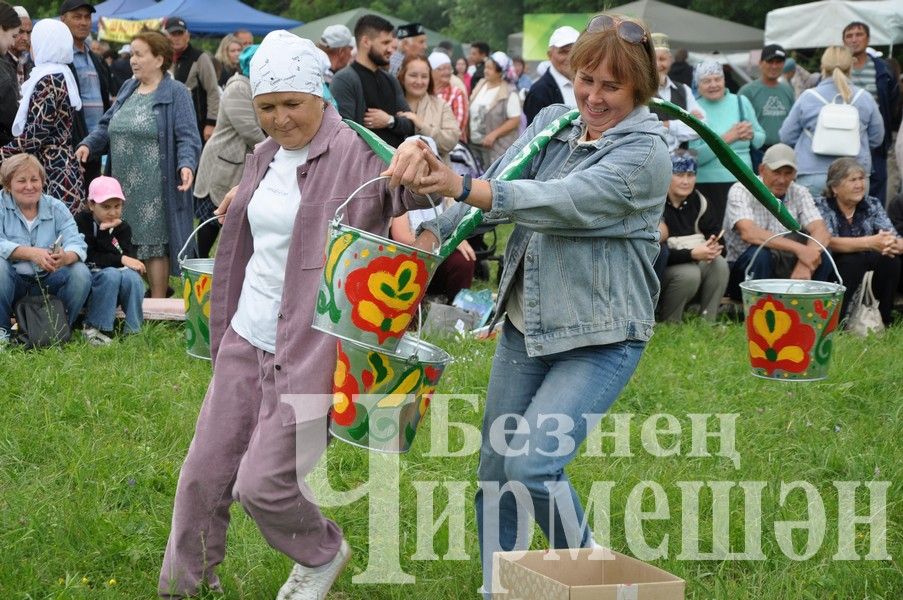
563 36
337 36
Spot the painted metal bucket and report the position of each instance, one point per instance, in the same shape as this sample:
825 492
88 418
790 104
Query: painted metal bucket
371 285
380 397
789 323
197 283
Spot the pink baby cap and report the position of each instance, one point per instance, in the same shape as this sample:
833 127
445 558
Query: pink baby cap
103 188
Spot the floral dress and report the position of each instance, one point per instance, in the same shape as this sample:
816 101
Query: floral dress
47 136
135 154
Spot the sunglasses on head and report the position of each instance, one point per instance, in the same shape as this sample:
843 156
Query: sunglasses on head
630 32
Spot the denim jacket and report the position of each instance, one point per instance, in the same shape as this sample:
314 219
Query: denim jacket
53 220
586 219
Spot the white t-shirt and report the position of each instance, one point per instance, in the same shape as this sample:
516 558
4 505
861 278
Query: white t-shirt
481 104
566 86
421 215
271 214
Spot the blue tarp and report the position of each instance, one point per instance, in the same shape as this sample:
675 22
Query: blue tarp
204 17
113 8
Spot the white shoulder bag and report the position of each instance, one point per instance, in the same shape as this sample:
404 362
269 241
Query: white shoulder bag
863 316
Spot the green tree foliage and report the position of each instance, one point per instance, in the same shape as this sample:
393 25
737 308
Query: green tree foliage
40 8
311 10
274 7
746 12
470 20
492 22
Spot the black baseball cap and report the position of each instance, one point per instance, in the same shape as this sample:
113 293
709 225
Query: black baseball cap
175 25
70 5
772 51
409 30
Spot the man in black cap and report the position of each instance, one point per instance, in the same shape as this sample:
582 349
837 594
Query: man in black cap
412 42
195 69
771 97
92 74
364 92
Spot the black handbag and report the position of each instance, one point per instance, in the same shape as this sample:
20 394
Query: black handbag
42 321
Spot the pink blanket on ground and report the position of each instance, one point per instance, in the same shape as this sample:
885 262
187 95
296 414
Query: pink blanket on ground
161 309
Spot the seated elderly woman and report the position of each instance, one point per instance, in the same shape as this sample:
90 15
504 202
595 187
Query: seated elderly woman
32 262
695 268
862 236
249 443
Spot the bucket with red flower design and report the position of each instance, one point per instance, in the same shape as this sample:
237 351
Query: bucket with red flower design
371 285
380 397
197 283
789 323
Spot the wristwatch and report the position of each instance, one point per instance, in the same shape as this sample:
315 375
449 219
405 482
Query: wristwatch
466 184
391 122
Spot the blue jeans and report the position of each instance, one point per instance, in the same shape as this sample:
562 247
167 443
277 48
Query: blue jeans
566 392
70 284
876 181
112 287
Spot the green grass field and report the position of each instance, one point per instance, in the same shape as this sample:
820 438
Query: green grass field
91 440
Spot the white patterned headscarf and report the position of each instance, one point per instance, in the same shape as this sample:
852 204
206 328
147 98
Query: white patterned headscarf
286 63
51 49
504 63
707 68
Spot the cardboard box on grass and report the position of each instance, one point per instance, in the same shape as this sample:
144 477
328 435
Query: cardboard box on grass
574 576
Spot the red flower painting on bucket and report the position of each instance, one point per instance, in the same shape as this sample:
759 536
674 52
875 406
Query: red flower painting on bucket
344 389
777 338
385 293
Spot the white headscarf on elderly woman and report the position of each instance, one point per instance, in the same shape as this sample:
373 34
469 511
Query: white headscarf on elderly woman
506 67
707 68
51 50
286 63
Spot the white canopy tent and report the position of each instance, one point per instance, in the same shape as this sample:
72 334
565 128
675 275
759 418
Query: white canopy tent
820 24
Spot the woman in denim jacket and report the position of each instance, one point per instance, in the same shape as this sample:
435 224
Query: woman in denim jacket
578 287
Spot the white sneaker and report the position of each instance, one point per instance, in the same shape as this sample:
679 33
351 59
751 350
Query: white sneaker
96 337
313 583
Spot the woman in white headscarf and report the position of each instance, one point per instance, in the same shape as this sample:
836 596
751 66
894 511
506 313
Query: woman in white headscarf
249 443
43 123
452 95
495 110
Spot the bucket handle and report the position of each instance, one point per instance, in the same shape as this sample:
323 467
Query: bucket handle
181 255
338 212
748 274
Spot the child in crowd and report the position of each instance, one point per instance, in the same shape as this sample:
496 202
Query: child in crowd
115 272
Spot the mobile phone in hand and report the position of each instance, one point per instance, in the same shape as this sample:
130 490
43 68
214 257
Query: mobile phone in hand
57 245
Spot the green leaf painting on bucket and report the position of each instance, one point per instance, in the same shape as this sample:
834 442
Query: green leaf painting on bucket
337 247
824 345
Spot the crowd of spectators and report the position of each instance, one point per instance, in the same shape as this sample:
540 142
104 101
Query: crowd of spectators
162 110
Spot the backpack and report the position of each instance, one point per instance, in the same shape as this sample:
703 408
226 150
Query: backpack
42 321
837 127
